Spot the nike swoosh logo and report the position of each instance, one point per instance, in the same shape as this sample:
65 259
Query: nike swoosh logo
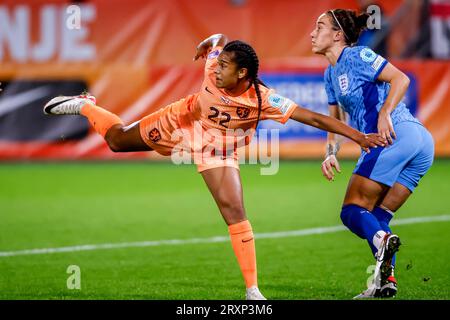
50 107
206 88
22 99
247 240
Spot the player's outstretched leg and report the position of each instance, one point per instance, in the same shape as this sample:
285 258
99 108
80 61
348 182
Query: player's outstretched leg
225 186
119 138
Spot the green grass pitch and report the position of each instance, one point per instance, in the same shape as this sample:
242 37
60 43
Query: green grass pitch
67 204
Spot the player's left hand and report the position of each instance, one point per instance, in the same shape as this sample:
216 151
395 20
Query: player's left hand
385 127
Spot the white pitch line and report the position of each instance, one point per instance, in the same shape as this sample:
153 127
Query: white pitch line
271 235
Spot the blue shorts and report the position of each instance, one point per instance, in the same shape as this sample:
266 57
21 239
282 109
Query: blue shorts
405 161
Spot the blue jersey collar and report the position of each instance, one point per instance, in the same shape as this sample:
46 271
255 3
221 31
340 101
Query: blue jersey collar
340 56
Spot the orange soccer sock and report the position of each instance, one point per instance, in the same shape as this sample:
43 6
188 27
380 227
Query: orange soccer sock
102 120
244 248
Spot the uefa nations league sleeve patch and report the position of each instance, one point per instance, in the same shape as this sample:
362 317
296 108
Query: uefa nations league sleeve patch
375 60
280 102
367 55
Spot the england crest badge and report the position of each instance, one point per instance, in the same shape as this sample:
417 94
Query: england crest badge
343 83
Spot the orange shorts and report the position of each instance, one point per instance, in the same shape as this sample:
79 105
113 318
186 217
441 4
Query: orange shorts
174 131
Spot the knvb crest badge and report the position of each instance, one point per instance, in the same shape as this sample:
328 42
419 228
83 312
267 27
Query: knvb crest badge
343 83
243 112
155 135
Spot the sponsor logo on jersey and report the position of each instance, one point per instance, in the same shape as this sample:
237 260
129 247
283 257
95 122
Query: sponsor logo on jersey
343 83
213 54
243 112
207 90
225 100
367 55
154 135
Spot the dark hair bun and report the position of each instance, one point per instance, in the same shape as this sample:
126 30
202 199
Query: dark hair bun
351 23
361 21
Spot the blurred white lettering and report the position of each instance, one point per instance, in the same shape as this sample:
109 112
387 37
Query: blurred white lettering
62 33
46 48
72 48
14 32
73 21
374 21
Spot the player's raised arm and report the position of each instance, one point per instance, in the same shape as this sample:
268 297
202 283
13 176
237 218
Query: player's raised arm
327 123
206 45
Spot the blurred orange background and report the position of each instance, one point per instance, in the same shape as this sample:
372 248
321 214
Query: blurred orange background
136 57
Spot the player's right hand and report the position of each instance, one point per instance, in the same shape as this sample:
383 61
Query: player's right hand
371 140
385 127
327 167
202 49
205 47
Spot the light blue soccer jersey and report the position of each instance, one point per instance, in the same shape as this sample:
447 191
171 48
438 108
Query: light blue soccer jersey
352 83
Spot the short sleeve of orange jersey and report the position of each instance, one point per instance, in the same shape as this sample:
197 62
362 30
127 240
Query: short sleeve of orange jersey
276 107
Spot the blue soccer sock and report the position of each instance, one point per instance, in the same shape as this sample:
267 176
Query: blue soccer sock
383 216
360 221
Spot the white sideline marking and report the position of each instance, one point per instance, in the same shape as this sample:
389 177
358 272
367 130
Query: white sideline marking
281 234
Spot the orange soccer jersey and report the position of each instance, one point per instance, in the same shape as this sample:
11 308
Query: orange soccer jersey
209 119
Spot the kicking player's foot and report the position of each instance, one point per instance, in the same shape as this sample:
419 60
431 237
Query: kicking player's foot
383 269
253 293
68 104
389 289
369 293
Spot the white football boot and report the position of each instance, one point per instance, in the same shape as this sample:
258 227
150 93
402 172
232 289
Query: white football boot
68 104
389 289
371 292
383 269
253 293
384 284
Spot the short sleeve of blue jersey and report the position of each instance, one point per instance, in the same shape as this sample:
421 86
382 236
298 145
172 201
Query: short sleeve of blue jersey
329 87
368 64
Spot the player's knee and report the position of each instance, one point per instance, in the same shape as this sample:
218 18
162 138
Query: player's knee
113 145
236 210
112 138
232 209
